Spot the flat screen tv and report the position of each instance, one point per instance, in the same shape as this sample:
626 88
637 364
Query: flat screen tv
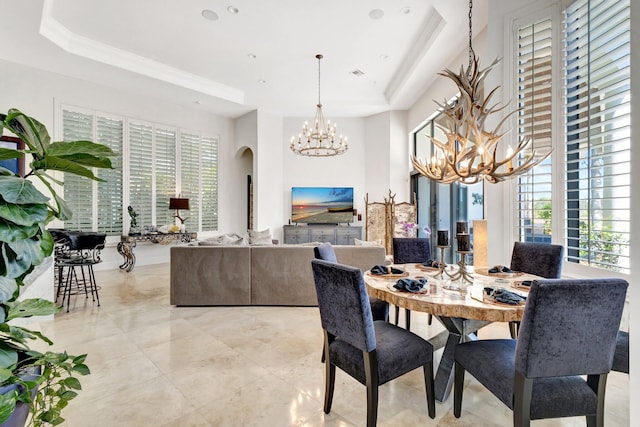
322 205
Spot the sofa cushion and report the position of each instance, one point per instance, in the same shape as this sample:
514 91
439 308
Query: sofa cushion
260 237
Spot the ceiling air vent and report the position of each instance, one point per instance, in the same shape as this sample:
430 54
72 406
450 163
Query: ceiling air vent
358 73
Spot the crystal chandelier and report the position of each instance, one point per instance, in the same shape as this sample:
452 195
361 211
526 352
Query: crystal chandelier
470 153
319 139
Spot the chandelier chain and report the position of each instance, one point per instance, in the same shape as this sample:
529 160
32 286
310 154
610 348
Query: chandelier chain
470 34
319 58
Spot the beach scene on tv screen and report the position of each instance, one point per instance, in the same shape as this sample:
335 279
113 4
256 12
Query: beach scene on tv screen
321 205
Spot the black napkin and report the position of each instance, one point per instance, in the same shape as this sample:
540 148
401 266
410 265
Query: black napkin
500 269
431 263
411 285
504 296
383 269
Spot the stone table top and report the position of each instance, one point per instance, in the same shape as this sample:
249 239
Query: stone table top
466 303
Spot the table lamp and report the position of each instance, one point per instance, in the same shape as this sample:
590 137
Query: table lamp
178 203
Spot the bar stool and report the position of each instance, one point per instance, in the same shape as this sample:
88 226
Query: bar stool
82 252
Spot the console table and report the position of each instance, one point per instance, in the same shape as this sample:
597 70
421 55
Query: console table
127 243
336 235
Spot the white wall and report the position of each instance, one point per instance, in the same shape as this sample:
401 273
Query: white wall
35 92
387 163
268 182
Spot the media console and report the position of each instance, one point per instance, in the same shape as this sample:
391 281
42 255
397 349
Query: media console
334 234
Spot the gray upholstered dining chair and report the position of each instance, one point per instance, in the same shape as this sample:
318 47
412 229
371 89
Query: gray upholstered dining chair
372 352
408 250
621 355
568 331
541 259
379 308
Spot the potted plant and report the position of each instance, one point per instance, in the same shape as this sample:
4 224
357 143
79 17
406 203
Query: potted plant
44 382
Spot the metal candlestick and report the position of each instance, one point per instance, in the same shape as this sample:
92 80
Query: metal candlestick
442 265
462 273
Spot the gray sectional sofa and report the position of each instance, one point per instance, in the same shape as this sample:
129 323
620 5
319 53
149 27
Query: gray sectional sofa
254 275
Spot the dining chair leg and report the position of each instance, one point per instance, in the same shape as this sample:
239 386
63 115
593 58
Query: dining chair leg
598 384
522 392
397 315
431 395
330 382
371 374
407 318
430 320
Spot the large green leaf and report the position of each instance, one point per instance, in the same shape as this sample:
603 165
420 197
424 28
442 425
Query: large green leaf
15 266
89 161
7 405
9 153
20 191
7 289
28 129
46 242
70 149
8 356
11 232
63 212
64 165
24 214
32 307
28 250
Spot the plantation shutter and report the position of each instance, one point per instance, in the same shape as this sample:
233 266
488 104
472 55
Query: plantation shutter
597 90
78 191
141 172
209 184
165 172
110 133
534 93
190 178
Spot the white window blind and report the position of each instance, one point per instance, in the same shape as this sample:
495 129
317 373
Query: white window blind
190 177
109 195
209 169
597 97
141 172
151 158
534 94
78 191
165 173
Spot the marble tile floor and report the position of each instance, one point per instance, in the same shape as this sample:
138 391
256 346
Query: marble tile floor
157 365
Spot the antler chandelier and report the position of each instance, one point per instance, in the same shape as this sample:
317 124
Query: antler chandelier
319 139
470 152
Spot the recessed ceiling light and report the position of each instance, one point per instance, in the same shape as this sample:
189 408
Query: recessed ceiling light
405 10
232 10
196 102
384 56
262 81
251 56
376 14
210 15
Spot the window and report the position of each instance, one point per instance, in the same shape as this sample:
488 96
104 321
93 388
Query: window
440 206
105 215
597 108
534 94
148 156
590 189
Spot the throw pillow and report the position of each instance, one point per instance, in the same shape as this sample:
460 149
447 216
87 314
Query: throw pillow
260 237
359 242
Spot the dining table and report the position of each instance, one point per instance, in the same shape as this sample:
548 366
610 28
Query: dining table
461 307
